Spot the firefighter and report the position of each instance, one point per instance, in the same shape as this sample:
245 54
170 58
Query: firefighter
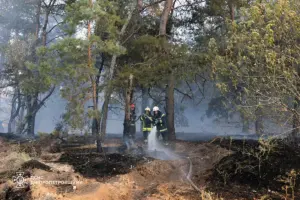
160 122
147 121
132 127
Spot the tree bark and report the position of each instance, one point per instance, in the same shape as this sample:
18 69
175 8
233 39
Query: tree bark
105 113
170 107
21 120
231 9
96 122
164 17
31 124
15 109
37 18
171 81
31 113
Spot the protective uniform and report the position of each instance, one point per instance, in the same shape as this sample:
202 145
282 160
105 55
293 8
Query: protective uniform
160 122
129 127
132 127
147 122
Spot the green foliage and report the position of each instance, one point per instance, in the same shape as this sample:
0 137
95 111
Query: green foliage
261 60
20 71
150 59
66 62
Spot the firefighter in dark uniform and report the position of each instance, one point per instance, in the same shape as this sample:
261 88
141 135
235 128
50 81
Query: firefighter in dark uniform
160 122
132 127
129 128
147 122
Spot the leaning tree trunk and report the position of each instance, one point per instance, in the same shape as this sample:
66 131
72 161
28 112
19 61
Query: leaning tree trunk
12 113
15 109
109 88
20 125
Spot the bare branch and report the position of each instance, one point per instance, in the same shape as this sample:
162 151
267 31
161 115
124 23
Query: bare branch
42 102
54 27
184 94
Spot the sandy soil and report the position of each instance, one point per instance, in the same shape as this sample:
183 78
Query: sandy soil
115 176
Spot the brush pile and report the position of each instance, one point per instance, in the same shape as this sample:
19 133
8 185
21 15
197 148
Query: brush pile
268 164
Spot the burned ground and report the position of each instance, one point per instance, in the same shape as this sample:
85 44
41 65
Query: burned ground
266 167
124 175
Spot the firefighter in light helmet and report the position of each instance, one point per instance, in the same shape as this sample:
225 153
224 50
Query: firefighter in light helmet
147 121
160 122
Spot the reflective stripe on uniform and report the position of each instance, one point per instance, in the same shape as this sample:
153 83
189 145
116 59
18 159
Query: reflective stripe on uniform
163 130
147 129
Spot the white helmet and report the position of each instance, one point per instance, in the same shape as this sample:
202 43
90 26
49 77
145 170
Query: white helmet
155 108
147 109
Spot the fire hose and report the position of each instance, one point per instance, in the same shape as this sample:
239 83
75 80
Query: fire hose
189 174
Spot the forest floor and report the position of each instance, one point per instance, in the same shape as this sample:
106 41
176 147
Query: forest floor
220 169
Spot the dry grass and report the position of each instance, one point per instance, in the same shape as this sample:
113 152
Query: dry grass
13 161
205 195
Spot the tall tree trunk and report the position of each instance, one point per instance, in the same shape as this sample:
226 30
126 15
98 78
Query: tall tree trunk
171 82
32 103
170 107
128 101
232 10
96 122
31 124
94 86
32 99
21 119
164 17
37 18
104 114
15 109
109 88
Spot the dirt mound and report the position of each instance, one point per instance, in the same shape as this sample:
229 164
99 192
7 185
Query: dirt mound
269 164
34 164
159 170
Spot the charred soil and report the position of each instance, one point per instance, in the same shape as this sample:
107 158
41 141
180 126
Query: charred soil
231 169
